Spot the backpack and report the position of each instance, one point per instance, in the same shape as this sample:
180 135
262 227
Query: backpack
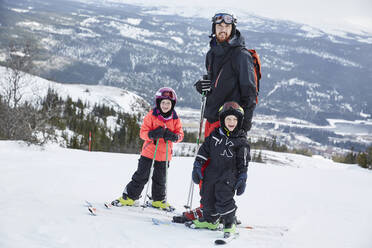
256 67
257 70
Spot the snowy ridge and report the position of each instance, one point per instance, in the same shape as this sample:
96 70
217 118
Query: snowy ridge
319 203
35 88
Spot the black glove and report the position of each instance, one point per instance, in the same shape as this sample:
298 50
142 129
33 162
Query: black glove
240 184
157 133
196 172
204 86
169 135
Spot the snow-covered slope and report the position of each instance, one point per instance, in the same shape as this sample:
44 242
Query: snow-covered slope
292 202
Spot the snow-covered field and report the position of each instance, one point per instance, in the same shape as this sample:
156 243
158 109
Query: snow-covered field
293 201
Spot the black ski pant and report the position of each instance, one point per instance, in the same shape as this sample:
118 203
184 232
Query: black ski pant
141 176
217 197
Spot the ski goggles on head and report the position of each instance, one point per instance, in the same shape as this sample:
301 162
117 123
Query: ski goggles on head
231 105
223 17
167 94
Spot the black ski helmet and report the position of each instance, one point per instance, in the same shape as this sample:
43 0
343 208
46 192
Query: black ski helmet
225 17
231 108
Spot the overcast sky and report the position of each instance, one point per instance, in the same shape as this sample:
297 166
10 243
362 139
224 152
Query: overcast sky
344 14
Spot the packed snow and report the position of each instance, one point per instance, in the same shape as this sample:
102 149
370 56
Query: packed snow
291 201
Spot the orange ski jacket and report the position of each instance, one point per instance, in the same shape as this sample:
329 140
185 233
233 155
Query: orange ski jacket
153 120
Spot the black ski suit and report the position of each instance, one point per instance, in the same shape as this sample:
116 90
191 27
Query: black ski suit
229 157
230 68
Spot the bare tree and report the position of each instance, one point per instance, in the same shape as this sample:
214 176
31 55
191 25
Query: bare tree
19 118
18 63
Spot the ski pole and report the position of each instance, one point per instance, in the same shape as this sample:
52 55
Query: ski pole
191 188
151 171
166 172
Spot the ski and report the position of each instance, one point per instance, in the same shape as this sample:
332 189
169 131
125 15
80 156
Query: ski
226 239
158 222
108 208
92 210
148 204
108 205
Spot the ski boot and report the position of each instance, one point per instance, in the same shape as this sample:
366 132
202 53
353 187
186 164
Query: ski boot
123 201
163 205
160 204
203 224
229 230
190 215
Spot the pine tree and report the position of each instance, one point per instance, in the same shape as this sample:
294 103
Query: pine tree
361 159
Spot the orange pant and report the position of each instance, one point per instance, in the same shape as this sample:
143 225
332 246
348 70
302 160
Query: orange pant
209 127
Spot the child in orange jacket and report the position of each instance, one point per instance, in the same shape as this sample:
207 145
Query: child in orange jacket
161 123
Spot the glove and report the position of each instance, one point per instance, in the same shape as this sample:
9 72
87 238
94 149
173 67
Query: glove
169 135
196 172
157 133
204 86
240 184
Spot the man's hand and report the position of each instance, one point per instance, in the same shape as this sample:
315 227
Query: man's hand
203 86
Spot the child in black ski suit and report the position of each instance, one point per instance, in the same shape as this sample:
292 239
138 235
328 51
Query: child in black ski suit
229 153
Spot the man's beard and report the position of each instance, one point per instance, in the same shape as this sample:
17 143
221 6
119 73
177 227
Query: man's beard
225 38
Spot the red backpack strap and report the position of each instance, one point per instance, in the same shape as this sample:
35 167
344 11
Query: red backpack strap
257 69
256 66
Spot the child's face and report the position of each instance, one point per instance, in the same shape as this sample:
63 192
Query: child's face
230 122
165 105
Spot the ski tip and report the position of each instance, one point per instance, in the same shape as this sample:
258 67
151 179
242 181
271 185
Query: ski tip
92 210
220 242
108 205
155 221
226 239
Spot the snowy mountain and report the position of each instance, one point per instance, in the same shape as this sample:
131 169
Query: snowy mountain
291 201
307 73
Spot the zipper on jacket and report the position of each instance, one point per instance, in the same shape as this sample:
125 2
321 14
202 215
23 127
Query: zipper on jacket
218 77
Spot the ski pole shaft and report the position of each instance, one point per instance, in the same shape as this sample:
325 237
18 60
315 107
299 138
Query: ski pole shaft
166 172
151 171
191 188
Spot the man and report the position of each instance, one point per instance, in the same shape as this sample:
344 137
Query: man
231 77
